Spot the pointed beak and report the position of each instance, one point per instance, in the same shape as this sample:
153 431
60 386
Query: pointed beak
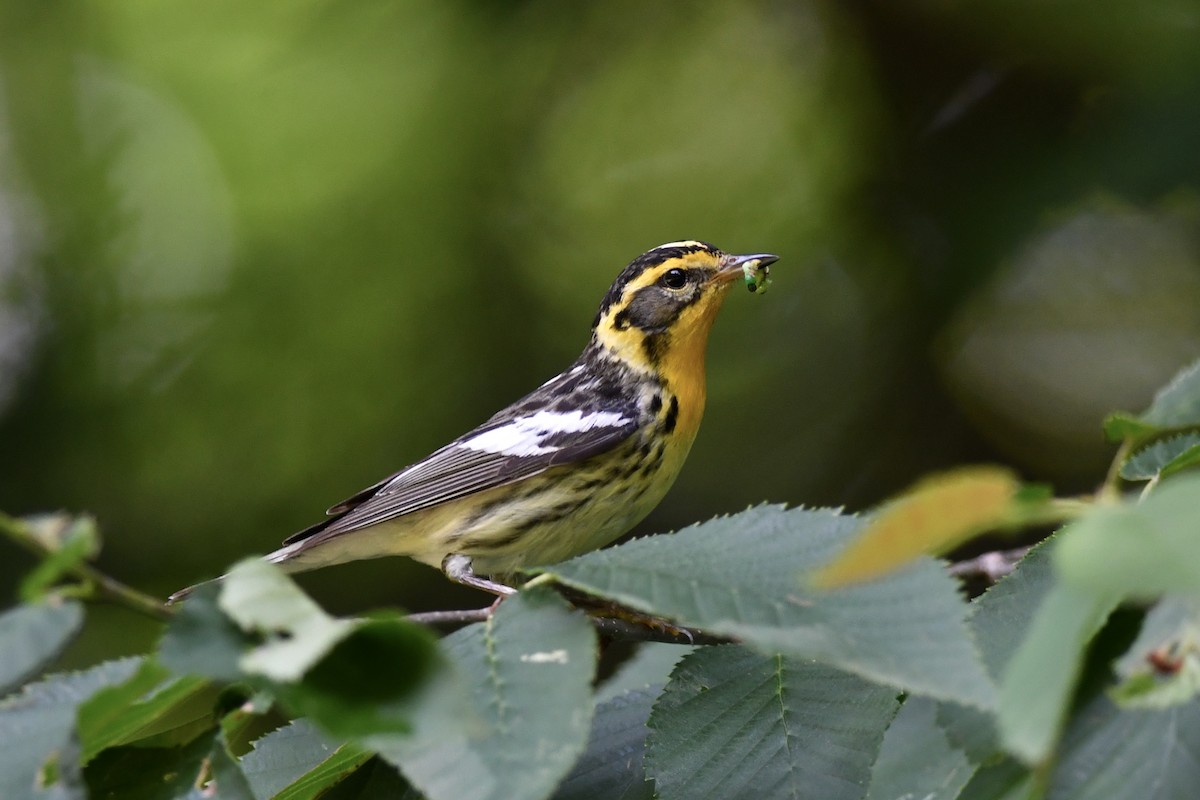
733 268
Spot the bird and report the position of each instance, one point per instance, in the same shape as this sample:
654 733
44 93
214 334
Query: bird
570 467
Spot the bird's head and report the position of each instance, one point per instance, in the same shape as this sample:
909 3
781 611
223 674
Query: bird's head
659 311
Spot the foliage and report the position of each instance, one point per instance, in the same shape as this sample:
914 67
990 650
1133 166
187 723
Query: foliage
256 256
252 262
888 687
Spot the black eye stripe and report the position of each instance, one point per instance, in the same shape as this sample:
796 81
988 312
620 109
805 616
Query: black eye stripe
645 261
653 309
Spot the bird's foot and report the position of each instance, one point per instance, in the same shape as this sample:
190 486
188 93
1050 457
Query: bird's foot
457 568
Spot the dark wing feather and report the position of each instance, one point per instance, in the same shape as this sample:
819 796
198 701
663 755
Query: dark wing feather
454 472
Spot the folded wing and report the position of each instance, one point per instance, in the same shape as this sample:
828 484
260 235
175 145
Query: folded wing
500 452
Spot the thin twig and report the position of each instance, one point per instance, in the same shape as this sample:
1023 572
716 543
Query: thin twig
993 566
610 627
620 630
1150 486
1058 511
1110 490
114 591
459 617
96 584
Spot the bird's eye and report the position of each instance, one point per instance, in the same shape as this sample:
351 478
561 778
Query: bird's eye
674 279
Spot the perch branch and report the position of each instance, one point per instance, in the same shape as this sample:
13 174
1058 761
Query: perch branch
610 627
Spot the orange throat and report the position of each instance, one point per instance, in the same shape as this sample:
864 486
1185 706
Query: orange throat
683 363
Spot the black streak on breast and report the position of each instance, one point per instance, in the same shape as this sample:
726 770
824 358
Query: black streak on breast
672 416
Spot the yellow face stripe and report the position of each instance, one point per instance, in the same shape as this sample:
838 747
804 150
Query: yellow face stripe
652 326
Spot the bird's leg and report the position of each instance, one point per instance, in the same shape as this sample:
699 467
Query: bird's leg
457 568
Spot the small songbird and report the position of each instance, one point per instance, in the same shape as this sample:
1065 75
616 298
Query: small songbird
571 466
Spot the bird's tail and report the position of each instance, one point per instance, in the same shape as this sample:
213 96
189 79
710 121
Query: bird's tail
183 593
280 557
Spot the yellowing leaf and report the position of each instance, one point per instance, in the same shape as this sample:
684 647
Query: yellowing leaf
934 515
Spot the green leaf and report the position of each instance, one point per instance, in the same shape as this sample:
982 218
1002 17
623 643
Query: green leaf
1169 621
150 773
1148 690
375 780
228 782
650 665
938 513
523 717
738 576
1162 458
32 635
916 760
1186 460
1032 632
1138 551
365 683
318 666
611 766
201 640
1162 667
1177 405
733 723
299 761
248 722
1121 426
348 758
1044 669
970 730
1006 780
297 633
68 541
1111 553
36 727
1000 619
152 703
1129 755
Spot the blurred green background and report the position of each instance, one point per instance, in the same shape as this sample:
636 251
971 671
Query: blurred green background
254 257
